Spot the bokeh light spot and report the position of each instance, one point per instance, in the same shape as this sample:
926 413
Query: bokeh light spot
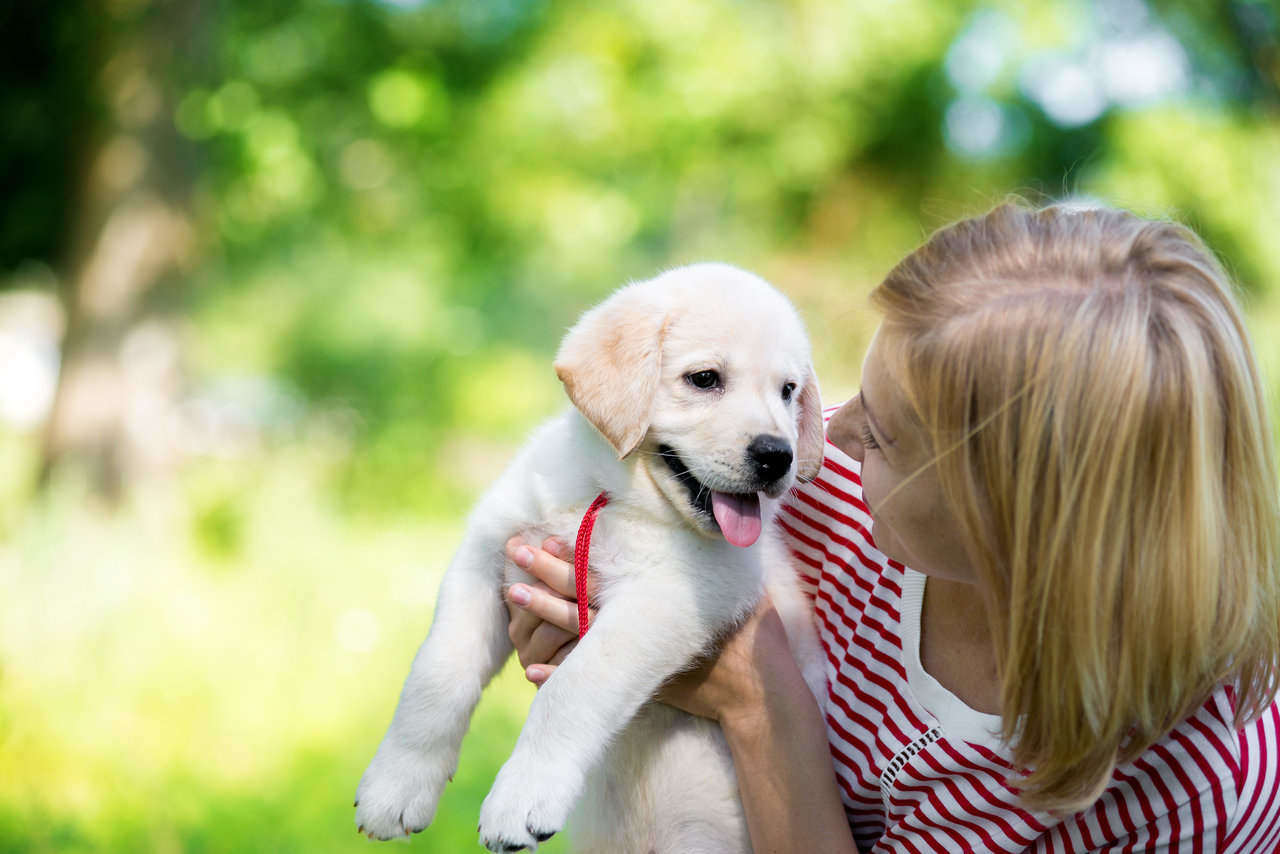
980 53
365 164
1067 91
973 125
399 98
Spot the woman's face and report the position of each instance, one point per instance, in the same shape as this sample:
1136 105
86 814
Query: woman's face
911 522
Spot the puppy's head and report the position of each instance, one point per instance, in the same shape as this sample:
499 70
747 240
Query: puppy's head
704 374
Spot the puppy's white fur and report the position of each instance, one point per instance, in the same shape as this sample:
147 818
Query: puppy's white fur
646 777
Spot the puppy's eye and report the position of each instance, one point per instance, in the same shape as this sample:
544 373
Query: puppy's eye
704 379
788 390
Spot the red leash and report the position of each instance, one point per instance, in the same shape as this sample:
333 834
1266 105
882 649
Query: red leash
581 554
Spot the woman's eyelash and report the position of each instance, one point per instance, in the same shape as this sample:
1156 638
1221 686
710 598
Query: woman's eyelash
868 440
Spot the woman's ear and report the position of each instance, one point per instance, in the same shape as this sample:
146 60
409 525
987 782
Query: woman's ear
810 438
610 363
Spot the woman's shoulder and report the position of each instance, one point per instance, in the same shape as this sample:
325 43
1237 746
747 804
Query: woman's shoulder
1255 823
1205 781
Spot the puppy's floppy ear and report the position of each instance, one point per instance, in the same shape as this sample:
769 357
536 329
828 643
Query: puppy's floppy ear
610 363
810 439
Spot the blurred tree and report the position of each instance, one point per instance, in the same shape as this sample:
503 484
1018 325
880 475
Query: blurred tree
95 101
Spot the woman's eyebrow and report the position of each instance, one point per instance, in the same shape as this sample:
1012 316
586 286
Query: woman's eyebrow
866 407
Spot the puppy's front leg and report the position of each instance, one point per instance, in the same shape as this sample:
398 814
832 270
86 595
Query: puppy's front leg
466 645
642 635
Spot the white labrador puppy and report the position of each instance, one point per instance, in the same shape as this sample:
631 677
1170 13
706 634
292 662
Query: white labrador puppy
696 408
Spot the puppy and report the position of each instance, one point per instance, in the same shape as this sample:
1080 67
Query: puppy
696 408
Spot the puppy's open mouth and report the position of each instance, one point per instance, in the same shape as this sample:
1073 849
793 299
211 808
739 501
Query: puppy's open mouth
737 514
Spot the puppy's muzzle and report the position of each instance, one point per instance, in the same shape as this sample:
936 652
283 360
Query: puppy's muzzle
770 457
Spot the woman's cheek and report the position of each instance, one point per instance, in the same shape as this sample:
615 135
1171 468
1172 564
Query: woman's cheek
873 491
870 485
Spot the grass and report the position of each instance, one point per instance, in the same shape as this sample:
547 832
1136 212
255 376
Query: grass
174 684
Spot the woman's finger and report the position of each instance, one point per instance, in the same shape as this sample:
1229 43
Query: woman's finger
546 605
558 548
543 565
546 642
522 623
539 673
552 564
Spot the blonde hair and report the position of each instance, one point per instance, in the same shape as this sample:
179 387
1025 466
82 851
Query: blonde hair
1100 427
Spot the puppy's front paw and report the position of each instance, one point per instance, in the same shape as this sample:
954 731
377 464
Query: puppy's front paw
525 806
398 793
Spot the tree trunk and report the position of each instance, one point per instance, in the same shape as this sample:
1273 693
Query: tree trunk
130 235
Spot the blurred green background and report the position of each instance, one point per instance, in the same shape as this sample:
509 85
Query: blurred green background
280 282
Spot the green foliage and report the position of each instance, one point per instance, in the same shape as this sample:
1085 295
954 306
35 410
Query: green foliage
442 181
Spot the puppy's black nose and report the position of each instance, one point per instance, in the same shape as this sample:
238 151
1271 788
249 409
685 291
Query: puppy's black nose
771 456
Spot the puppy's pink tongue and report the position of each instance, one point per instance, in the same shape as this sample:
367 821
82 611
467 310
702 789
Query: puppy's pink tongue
739 517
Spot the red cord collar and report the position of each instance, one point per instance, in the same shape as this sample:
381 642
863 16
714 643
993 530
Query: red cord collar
581 554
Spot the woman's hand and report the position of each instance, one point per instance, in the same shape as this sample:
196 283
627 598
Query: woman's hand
544 616
544 622
729 685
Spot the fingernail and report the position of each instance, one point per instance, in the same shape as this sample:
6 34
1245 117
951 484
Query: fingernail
535 674
520 594
555 545
524 557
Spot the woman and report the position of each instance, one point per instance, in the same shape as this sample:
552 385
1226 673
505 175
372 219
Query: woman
1062 432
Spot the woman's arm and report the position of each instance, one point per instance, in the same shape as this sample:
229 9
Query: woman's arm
776 734
752 687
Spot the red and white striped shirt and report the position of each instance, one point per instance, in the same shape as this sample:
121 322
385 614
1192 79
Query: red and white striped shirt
919 771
